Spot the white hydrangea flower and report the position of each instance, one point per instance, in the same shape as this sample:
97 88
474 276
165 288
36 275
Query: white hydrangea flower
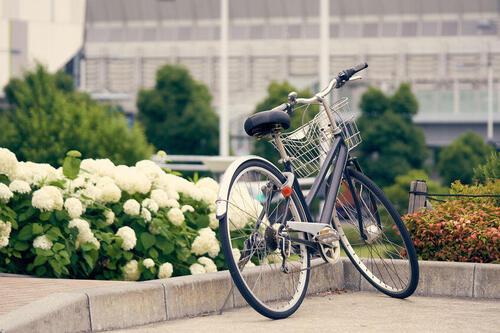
20 186
99 167
151 205
236 254
48 198
132 207
165 271
36 173
208 264
214 222
5 230
197 269
150 169
74 207
5 193
91 192
207 182
160 197
173 195
8 162
131 271
175 216
85 234
173 183
187 208
241 198
42 242
206 242
146 214
109 192
208 196
148 263
161 156
172 203
128 236
4 241
131 180
109 215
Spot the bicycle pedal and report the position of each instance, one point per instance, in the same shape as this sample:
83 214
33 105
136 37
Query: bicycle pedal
327 236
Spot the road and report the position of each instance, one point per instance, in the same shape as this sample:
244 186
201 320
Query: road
352 312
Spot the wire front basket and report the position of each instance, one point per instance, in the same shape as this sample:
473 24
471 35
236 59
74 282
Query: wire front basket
308 145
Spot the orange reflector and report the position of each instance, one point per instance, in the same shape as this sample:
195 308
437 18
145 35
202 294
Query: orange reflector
286 191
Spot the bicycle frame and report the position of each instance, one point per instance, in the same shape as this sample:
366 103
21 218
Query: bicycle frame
339 150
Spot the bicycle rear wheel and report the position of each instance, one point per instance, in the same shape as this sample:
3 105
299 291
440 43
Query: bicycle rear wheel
374 237
251 243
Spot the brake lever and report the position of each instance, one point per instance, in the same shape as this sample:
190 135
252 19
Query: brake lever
354 78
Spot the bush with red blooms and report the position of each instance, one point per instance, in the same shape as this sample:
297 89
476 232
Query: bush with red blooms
459 229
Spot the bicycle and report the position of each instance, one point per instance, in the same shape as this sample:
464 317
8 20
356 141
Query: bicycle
266 226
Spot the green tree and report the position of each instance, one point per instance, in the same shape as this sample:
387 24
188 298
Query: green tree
398 192
458 160
374 102
46 118
489 170
277 93
392 145
404 102
177 113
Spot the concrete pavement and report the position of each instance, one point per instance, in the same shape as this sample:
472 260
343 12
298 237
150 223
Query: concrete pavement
352 312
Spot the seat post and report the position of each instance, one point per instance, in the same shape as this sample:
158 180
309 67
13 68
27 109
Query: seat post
281 148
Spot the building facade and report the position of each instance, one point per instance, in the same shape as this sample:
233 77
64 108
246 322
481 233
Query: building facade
449 50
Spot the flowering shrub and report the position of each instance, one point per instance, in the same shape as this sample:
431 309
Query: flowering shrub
461 229
93 219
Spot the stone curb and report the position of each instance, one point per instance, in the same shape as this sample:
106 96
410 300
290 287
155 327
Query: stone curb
106 308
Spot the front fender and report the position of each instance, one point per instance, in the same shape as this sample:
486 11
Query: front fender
223 196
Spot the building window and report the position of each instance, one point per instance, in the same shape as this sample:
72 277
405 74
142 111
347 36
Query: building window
450 28
409 29
294 31
256 32
334 30
351 30
429 28
389 29
238 32
370 30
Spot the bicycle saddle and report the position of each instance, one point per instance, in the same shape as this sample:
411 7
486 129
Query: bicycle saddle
263 123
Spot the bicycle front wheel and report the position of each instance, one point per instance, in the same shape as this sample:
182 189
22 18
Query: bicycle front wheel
374 237
252 245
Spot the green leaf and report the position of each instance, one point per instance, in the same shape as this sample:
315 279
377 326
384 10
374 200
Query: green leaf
21 246
41 271
165 246
147 240
25 233
45 253
57 247
45 216
202 221
128 256
39 260
37 229
54 233
27 214
153 253
89 259
71 165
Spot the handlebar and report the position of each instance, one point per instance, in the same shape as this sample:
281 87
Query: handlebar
336 83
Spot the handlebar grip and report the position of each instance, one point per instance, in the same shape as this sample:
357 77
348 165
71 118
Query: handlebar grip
285 107
360 67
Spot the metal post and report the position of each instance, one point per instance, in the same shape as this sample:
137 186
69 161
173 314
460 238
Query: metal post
324 57
489 132
223 80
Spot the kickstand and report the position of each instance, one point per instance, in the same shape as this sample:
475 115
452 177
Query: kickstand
227 298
